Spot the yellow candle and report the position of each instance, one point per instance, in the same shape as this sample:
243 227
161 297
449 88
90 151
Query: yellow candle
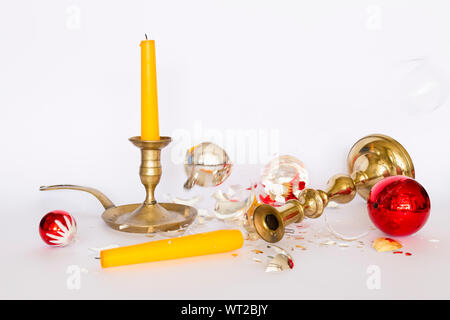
149 96
187 246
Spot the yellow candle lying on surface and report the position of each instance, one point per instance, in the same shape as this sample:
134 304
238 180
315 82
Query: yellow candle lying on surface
149 96
182 247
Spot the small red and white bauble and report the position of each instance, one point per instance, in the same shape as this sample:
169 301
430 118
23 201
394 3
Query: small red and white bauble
57 228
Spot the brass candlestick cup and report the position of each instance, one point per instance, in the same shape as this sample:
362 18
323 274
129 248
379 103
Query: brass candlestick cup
149 216
370 160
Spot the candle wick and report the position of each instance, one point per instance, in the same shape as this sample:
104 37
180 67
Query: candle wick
146 37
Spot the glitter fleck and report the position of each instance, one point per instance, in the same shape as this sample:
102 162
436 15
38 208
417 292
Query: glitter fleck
328 243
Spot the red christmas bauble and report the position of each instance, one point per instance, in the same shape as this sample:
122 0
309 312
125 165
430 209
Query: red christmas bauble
57 228
398 205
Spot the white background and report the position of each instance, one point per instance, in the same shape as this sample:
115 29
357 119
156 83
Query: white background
321 74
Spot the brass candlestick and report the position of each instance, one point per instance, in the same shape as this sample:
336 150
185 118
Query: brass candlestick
149 216
371 159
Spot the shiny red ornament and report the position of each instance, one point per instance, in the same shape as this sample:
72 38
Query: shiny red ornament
398 205
57 228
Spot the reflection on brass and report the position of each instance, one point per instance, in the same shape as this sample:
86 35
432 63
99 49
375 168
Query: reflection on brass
149 216
206 165
370 159
376 157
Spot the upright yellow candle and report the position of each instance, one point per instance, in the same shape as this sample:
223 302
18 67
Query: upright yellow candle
182 247
149 96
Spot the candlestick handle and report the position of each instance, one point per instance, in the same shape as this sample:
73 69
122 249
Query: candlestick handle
104 200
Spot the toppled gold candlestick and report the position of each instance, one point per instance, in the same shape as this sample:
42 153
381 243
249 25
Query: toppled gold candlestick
370 159
150 216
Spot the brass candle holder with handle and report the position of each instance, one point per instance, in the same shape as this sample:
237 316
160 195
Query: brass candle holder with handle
149 216
371 159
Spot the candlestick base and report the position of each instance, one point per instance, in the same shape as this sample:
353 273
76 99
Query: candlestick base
140 218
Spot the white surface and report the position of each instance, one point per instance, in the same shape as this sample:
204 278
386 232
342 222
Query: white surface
316 74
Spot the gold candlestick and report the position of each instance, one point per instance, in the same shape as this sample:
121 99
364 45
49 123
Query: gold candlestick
370 160
149 216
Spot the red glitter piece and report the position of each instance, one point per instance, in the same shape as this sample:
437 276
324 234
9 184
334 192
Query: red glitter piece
301 185
396 252
408 254
290 263
252 187
267 200
290 196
